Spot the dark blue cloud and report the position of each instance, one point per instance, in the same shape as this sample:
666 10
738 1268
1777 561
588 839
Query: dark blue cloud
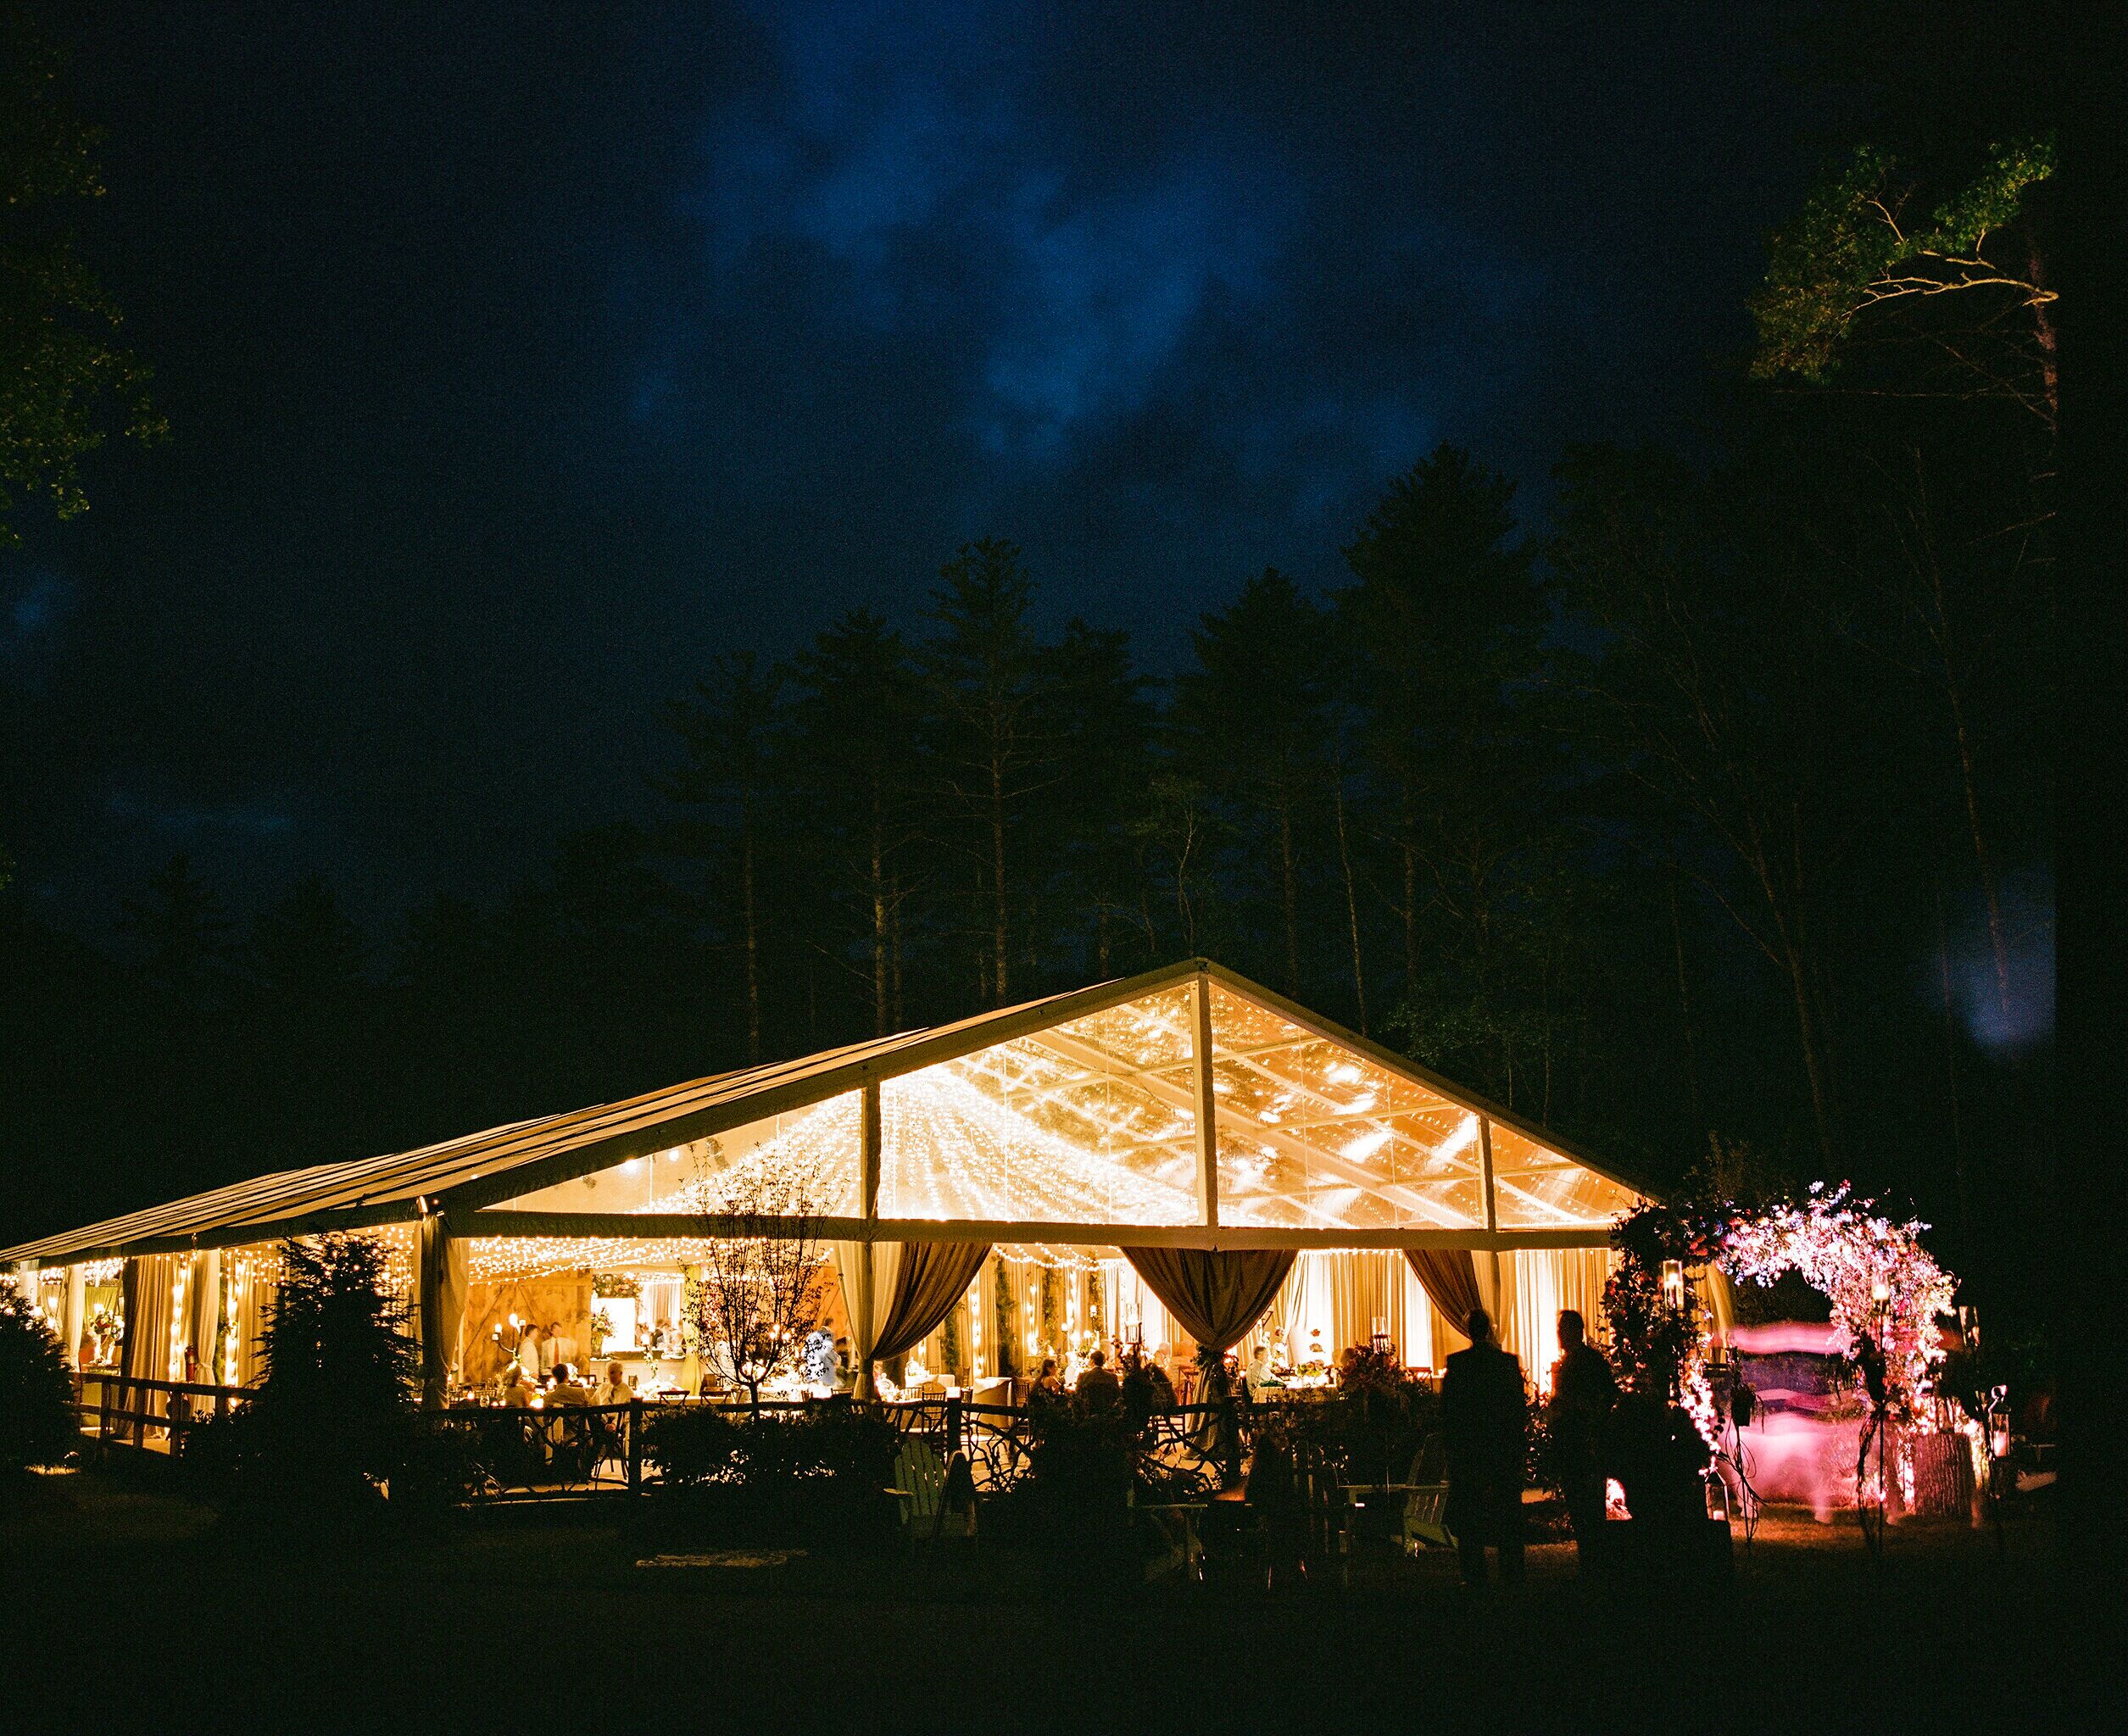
520 362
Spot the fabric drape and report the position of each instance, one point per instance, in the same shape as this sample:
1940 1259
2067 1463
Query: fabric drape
1450 1278
72 1321
930 1278
1536 1284
1712 1283
202 1312
149 1280
148 1284
1368 1285
1216 1296
253 1280
440 1315
867 1272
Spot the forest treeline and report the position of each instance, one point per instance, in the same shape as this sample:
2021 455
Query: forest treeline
1713 807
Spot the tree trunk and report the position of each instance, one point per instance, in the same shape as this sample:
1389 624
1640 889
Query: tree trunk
879 1009
1286 893
1954 692
1950 1072
2043 328
999 938
1684 1011
752 935
1352 897
1784 900
1411 893
893 923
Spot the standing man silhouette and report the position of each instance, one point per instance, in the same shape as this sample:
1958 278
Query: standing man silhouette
1582 1392
1484 1414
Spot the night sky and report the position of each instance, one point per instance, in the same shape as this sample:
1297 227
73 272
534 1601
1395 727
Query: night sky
520 360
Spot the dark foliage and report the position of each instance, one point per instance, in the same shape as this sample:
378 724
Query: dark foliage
1652 1332
37 1391
332 1422
833 1442
819 1475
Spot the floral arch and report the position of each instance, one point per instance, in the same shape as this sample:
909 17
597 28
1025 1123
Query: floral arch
1886 1288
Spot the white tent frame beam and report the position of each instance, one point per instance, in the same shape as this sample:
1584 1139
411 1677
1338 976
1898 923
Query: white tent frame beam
463 1178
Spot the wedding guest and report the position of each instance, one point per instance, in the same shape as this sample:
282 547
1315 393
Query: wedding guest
956 1501
1582 1392
1163 1388
1048 1387
1485 1417
1099 1389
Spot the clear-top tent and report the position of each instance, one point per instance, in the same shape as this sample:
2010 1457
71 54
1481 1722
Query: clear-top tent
1184 1108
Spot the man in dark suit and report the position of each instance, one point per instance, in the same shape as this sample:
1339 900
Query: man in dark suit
1098 1388
1485 1417
1584 1390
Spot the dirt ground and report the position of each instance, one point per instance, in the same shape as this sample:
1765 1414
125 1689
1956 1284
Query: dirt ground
133 1609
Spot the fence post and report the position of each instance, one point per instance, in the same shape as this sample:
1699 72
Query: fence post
635 1446
953 1426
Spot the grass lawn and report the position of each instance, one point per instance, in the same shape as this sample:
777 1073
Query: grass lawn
135 1609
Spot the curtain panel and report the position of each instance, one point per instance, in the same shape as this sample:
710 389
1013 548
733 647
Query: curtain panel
202 1312
930 1278
913 1286
149 1283
439 1319
1448 1277
1216 1296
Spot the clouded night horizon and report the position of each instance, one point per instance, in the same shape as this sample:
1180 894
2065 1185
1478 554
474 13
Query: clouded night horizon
857 852
515 371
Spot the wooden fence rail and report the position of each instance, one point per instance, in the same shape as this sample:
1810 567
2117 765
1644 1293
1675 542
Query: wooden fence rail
149 1416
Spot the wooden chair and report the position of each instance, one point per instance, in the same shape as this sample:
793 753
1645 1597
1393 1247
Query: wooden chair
1426 1506
920 1482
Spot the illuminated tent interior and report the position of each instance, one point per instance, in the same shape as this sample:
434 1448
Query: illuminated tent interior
1028 1182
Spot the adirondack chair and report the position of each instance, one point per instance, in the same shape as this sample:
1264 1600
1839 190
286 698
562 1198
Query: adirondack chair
920 1482
1425 1508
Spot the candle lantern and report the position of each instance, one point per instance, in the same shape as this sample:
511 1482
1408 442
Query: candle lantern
1674 1282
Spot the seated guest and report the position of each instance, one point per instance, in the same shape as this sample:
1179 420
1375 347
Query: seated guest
956 1501
1259 1373
1163 1389
566 1390
516 1389
1098 1388
1048 1387
614 1389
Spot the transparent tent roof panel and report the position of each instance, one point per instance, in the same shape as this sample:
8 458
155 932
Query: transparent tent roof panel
1092 1122
1313 1135
1535 1188
806 1162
